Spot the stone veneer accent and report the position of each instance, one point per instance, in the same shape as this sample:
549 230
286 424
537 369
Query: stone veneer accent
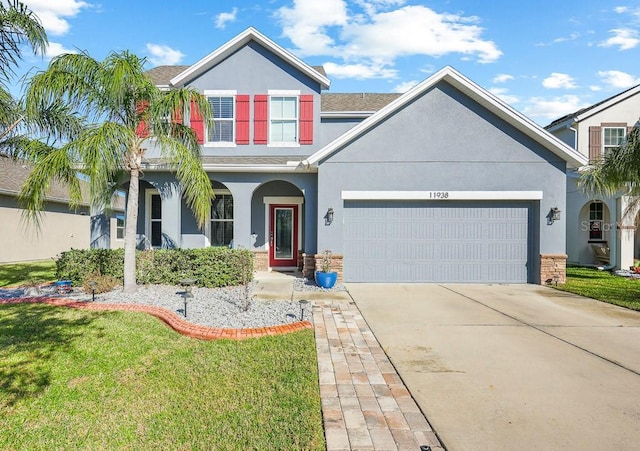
553 268
313 263
174 321
260 260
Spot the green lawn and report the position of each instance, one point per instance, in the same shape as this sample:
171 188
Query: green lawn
76 379
25 272
603 286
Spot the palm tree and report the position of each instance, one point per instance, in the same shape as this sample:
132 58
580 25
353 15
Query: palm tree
618 171
118 102
19 27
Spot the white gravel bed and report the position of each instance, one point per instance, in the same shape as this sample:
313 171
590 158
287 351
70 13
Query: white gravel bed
216 307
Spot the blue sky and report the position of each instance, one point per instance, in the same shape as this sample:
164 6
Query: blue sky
545 58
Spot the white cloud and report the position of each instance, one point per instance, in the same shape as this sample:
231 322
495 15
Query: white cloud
418 30
558 80
55 48
359 71
164 55
503 93
621 9
405 86
377 32
552 108
623 38
502 78
52 13
595 88
223 18
617 79
306 21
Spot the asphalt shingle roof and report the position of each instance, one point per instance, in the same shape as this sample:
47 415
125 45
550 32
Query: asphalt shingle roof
13 174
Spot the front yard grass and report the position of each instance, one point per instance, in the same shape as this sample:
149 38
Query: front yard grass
603 286
26 272
74 379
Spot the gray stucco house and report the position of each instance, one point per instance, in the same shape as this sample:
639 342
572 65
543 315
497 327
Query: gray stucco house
445 183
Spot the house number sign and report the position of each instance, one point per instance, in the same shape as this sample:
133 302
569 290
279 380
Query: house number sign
438 194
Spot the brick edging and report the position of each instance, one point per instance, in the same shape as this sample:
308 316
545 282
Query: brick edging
171 319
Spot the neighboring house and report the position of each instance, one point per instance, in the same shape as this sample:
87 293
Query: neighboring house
62 228
596 220
445 183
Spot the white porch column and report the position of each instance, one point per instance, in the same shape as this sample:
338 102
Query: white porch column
626 232
171 216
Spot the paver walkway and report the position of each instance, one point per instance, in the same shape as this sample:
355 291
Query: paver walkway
365 404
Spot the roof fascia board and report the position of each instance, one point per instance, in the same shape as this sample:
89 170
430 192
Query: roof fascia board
485 98
271 169
243 38
609 103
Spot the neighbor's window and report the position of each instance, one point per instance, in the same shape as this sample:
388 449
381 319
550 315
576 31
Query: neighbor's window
222 220
596 218
120 227
612 137
283 119
222 123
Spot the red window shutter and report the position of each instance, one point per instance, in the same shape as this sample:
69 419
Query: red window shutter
595 143
142 129
260 116
197 123
306 119
242 119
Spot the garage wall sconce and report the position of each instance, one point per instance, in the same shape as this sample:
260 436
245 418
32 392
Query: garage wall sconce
553 215
328 218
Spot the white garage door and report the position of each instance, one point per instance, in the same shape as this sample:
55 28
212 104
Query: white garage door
444 241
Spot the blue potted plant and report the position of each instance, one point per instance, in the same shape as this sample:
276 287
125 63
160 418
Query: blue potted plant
326 278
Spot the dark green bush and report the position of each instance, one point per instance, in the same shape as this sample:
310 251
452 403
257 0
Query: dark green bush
210 267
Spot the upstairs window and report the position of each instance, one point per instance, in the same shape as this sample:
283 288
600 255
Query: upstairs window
612 138
221 127
283 119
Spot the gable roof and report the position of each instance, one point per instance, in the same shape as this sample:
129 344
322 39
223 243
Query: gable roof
589 111
473 91
250 34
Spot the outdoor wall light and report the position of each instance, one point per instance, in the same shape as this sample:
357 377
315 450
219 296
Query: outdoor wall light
329 216
553 215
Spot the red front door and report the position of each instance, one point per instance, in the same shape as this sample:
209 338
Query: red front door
283 235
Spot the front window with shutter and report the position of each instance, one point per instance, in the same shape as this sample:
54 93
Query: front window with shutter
222 123
612 138
283 119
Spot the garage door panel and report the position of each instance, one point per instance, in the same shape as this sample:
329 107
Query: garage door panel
415 241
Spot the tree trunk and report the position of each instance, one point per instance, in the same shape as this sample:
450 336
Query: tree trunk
130 236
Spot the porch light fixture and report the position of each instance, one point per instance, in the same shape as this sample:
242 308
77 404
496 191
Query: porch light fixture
553 215
329 216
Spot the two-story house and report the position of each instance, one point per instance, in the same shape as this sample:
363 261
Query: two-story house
594 220
445 183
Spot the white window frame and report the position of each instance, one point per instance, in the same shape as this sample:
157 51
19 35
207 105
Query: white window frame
599 221
124 225
607 147
284 93
148 220
208 228
221 93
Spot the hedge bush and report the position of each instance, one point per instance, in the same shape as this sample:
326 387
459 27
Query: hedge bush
210 267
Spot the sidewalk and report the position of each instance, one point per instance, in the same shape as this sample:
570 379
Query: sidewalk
365 404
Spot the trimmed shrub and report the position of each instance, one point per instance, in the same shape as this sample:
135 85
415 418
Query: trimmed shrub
210 267
103 283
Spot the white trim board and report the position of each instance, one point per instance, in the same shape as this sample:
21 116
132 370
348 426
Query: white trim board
441 195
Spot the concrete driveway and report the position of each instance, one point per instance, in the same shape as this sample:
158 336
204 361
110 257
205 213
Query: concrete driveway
512 367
